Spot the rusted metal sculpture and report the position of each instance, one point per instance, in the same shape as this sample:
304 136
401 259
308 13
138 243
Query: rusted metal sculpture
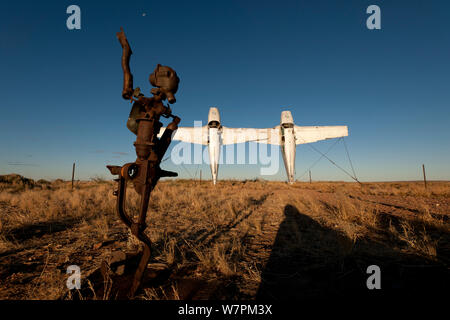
145 172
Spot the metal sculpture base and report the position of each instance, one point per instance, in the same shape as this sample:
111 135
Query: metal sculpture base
130 172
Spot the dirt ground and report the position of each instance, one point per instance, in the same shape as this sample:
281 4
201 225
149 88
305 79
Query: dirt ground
237 240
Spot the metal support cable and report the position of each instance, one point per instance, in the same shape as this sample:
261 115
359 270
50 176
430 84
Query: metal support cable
348 155
334 163
317 161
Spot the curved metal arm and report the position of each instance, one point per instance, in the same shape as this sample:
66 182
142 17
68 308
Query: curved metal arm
121 199
127 92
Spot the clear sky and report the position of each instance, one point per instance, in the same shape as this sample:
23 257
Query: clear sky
61 89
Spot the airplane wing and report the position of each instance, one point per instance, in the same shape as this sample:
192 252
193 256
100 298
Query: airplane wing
240 135
189 134
313 134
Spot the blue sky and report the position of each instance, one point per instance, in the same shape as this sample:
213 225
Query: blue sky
61 89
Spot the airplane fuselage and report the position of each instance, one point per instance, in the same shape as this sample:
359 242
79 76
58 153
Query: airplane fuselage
214 151
214 141
288 147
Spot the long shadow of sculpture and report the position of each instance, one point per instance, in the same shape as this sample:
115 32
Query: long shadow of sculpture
309 260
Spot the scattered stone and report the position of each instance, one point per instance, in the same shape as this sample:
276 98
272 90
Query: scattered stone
97 246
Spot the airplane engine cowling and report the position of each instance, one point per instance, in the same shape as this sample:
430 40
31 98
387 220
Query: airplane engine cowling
214 117
286 118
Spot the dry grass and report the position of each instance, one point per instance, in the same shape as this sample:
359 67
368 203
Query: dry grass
226 232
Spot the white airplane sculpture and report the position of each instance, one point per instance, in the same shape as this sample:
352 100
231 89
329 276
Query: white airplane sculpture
287 135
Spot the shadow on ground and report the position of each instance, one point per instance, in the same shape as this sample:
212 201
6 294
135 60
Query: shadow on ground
309 260
39 229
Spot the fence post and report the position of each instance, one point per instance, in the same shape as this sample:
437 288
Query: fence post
73 173
424 176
